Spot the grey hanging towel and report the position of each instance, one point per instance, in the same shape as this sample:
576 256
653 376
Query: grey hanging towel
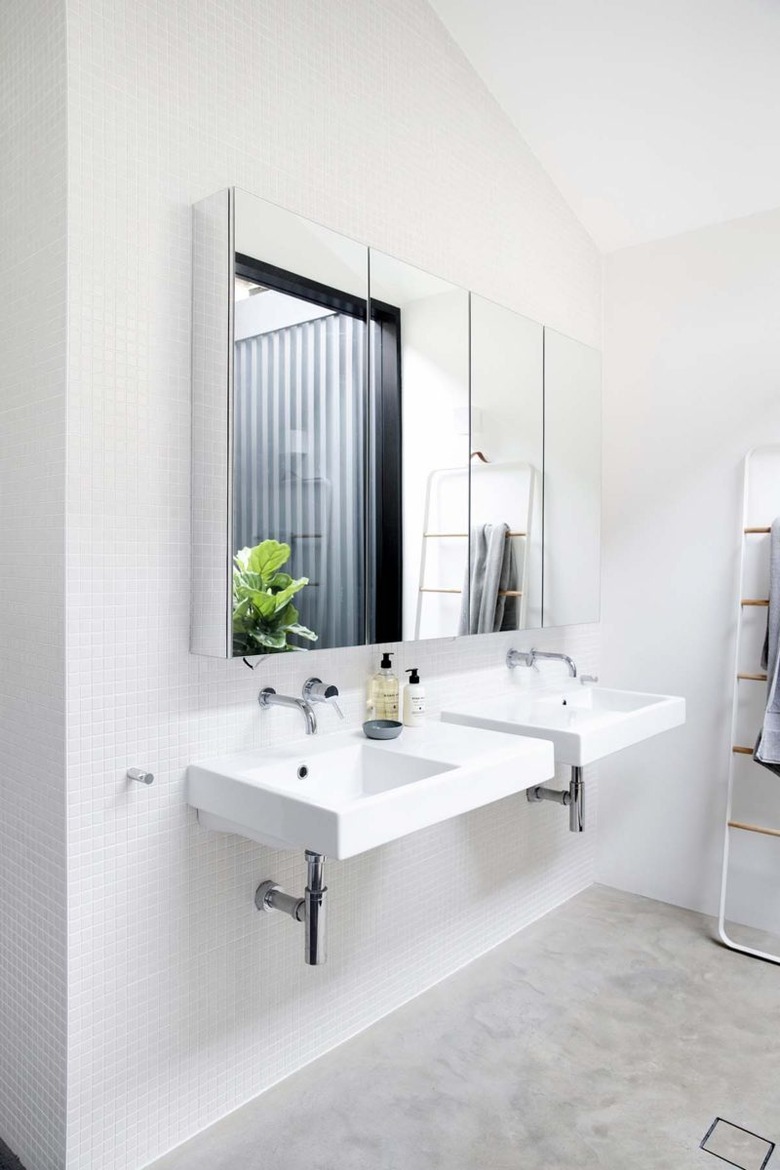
485 608
767 749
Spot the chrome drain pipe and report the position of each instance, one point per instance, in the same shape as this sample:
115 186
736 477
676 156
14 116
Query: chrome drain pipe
310 909
576 801
315 918
572 798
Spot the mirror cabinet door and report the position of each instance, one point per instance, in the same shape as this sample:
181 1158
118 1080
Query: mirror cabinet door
572 481
507 447
301 434
431 349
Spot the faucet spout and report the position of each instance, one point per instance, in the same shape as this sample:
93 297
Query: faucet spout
528 658
269 698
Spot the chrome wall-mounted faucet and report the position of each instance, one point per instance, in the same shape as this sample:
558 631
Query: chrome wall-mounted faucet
314 691
529 657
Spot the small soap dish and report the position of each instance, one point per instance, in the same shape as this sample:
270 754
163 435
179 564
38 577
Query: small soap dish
382 729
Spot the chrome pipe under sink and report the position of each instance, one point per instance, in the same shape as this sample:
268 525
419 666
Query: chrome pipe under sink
572 798
310 909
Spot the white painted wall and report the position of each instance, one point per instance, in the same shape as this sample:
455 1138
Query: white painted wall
692 381
628 105
572 480
32 581
183 1003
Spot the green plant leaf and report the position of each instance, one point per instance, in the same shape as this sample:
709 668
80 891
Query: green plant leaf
267 557
284 595
264 603
287 616
272 641
302 632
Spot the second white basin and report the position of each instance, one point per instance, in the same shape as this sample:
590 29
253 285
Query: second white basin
342 794
583 723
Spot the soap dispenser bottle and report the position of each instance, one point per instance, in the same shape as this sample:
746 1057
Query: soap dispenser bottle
414 700
383 691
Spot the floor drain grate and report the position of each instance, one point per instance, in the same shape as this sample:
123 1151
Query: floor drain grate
737 1146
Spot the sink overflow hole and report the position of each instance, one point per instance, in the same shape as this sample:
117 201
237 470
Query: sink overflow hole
303 772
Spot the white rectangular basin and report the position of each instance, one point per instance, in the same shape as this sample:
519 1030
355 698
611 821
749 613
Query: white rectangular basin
583 723
343 794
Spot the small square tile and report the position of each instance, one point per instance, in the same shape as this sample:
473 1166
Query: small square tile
737 1146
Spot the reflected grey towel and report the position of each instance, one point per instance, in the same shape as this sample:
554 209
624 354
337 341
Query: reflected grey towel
493 572
767 749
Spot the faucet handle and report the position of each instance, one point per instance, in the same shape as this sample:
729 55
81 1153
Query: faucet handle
588 678
516 657
316 691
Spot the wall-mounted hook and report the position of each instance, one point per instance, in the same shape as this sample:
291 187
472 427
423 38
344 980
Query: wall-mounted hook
140 775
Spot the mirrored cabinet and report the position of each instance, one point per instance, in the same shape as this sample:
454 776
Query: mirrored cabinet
378 454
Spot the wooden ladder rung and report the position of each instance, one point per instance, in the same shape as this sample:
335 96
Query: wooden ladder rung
763 601
742 751
753 677
754 828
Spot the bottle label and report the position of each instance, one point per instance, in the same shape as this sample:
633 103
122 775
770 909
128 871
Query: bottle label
387 702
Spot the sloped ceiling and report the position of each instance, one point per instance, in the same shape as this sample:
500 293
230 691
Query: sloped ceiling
653 117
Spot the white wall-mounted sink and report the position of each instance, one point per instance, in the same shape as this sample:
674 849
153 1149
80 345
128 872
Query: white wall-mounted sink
583 723
342 794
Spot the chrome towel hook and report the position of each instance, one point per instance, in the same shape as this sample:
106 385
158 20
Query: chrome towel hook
140 775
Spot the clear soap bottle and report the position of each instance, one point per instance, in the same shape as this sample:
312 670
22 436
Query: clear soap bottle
383 691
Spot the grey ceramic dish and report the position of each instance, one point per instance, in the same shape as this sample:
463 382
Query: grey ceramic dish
382 729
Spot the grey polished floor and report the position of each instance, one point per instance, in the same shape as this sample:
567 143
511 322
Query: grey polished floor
609 1034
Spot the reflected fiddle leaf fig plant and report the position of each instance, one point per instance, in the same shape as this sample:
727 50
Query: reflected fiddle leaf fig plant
264 616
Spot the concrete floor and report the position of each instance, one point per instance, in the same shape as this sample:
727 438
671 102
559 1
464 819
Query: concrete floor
609 1034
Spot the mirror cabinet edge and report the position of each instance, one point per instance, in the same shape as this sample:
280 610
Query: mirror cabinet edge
211 424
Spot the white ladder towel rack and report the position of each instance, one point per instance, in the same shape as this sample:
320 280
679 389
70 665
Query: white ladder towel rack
761 504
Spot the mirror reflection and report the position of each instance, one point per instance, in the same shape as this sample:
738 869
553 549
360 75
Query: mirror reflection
505 471
433 353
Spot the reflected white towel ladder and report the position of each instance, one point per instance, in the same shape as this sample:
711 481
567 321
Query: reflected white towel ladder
752 526
522 510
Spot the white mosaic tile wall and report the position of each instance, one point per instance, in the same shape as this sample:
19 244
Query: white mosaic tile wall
32 593
183 1001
